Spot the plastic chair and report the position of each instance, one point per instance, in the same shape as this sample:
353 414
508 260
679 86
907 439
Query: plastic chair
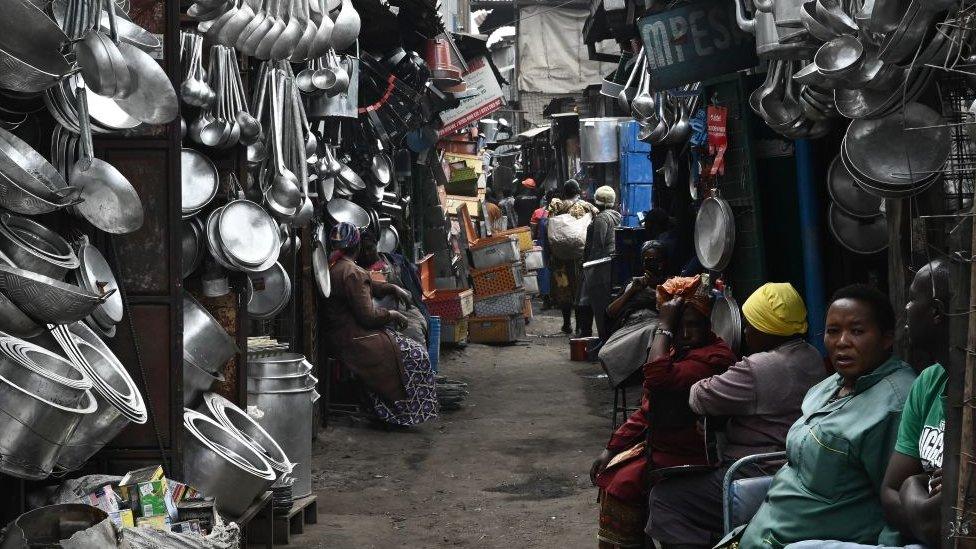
741 498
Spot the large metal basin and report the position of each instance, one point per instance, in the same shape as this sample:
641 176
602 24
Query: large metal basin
287 417
232 417
46 374
115 393
206 344
46 526
221 464
277 365
33 430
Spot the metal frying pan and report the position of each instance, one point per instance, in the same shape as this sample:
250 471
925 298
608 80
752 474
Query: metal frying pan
340 209
389 240
859 235
714 233
727 320
320 262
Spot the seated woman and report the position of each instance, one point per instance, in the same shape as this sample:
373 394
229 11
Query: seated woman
395 369
632 318
837 451
758 398
398 272
684 351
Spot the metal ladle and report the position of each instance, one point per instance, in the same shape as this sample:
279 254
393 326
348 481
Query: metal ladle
623 98
287 41
285 185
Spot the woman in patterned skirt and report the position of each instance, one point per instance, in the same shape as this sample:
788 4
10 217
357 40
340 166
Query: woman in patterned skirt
395 370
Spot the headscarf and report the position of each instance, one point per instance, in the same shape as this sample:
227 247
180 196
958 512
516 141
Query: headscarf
689 288
344 236
605 196
776 309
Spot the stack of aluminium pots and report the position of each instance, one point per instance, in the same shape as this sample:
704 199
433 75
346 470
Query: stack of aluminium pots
118 398
43 398
281 388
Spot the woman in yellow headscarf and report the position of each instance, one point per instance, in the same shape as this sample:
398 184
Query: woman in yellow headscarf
758 398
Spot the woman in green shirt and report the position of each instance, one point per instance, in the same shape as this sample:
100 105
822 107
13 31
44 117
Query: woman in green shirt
837 451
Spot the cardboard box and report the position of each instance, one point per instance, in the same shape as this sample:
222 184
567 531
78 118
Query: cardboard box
123 518
159 523
152 499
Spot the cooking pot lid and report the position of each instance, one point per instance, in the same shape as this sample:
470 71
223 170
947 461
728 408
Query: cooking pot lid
848 195
859 235
714 234
727 320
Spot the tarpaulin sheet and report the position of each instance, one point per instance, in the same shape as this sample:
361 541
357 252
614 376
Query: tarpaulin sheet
552 55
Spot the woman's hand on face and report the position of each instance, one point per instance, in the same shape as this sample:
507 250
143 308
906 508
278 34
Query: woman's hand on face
669 313
599 464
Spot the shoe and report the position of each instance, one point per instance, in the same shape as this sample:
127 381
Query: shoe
567 329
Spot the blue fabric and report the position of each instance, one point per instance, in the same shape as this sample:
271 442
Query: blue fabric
344 236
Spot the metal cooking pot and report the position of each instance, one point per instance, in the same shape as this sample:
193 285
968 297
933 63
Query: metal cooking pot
35 429
287 416
598 140
48 375
221 464
196 382
206 344
34 247
281 383
118 398
278 365
714 233
47 526
237 420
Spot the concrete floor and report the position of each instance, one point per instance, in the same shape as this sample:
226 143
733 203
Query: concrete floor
508 470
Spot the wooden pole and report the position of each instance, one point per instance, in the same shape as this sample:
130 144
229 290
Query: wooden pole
963 528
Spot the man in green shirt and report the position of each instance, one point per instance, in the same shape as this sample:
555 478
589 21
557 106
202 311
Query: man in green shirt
911 493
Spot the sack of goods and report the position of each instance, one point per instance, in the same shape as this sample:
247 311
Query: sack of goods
567 235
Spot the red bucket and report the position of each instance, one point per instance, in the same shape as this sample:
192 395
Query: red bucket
579 348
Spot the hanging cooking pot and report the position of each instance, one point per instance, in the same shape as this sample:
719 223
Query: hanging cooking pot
598 140
714 233
863 236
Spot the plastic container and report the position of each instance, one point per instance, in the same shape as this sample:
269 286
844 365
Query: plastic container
502 279
496 329
449 304
530 282
527 310
454 333
524 235
500 305
494 251
579 348
533 259
434 342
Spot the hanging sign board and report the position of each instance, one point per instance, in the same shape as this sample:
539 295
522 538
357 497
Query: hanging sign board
486 100
695 42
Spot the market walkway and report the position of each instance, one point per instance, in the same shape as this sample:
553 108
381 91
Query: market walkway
508 470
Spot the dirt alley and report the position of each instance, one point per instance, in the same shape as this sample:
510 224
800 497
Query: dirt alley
508 470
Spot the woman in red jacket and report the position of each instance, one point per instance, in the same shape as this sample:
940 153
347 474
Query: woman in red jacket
684 351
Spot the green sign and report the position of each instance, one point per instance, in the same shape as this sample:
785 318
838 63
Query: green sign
695 42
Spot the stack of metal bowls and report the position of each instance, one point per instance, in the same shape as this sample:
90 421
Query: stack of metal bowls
43 398
282 389
119 400
33 247
206 348
221 464
230 416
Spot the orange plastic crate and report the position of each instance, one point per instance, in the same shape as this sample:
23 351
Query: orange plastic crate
450 304
495 329
502 279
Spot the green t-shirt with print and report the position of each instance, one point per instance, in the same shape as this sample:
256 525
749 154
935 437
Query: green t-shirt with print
922 425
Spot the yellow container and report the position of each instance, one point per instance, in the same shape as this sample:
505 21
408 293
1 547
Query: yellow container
524 235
